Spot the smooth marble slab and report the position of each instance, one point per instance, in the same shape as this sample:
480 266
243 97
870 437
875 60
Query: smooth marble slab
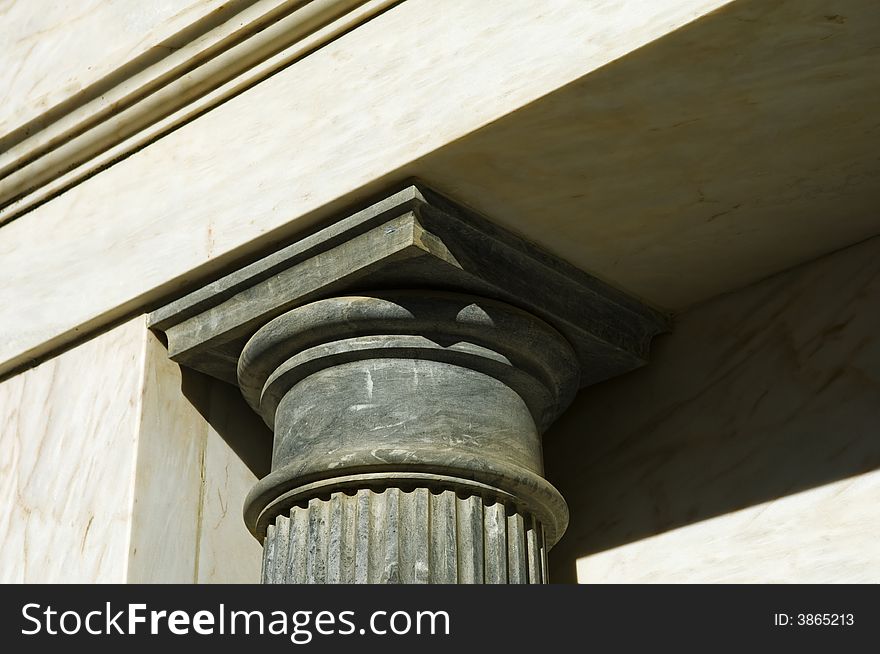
170 475
112 469
53 50
825 535
748 450
190 485
68 446
729 150
228 553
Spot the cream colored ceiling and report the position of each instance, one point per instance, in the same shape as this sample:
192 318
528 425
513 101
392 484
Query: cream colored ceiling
733 148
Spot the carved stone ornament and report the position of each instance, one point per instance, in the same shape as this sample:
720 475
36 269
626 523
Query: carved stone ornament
408 359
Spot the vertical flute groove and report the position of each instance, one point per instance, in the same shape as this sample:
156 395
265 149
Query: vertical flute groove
470 540
412 537
516 555
268 576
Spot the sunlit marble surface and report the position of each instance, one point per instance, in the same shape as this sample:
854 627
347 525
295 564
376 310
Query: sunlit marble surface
750 443
112 469
674 151
190 486
68 444
170 476
825 535
52 50
371 102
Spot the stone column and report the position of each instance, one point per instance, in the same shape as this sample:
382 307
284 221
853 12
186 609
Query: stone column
407 423
407 439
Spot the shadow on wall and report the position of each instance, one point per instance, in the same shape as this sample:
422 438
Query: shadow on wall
756 395
732 148
223 407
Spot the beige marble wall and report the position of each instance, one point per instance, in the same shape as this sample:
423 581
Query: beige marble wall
227 553
190 485
68 444
52 50
747 451
115 467
170 476
238 450
824 535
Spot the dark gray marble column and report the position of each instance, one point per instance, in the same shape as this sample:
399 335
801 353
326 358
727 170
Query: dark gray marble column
408 358
407 439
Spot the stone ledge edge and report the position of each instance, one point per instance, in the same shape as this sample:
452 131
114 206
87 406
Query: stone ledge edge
80 137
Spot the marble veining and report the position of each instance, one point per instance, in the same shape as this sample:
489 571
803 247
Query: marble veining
189 482
68 443
52 50
183 216
227 552
111 472
824 535
751 443
170 474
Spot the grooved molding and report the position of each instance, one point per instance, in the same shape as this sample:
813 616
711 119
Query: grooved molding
408 359
407 537
204 64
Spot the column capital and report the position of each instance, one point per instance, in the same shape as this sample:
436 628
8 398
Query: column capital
414 238
408 389
408 359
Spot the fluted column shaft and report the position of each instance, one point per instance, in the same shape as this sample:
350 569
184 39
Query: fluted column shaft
410 537
407 440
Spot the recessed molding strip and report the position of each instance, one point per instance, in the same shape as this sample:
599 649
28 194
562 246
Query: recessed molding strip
113 118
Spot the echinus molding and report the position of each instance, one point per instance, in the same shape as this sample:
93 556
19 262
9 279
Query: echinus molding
408 359
208 62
